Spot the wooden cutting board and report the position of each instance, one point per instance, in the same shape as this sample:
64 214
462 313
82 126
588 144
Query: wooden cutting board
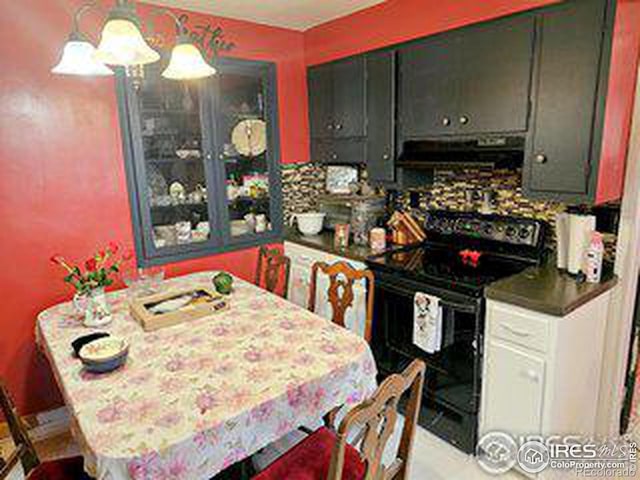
173 307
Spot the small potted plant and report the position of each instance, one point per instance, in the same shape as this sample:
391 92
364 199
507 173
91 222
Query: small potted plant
99 272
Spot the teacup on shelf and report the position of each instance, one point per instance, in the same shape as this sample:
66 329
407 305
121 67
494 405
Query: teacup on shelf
166 234
183 232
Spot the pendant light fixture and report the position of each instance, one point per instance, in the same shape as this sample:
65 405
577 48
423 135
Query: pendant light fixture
78 54
121 42
186 61
78 58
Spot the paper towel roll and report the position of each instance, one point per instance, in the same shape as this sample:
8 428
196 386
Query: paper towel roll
562 238
580 228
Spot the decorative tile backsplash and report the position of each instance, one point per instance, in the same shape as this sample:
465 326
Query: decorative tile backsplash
459 190
302 184
451 191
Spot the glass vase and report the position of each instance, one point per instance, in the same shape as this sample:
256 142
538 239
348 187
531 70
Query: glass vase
93 305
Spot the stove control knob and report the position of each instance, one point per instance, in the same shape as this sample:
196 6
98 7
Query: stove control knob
524 232
511 231
488 229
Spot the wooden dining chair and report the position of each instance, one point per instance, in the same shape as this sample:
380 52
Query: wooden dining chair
326 454
24 456
272 266
342 277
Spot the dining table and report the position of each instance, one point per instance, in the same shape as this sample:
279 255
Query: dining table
197 397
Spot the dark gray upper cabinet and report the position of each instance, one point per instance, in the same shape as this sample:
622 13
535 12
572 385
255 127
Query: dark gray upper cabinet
495 76
428 88
337 99
337 111
349 98
380 114
320 84
472 80
540 74
572 65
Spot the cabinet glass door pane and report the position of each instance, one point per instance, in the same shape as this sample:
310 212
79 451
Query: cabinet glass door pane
243 137
174 164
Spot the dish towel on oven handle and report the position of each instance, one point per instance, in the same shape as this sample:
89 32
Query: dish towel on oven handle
427 322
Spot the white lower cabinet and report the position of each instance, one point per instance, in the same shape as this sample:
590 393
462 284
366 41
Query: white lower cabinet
541 373
302 260
513 372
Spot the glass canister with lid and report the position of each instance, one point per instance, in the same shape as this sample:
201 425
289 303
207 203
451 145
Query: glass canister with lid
365 215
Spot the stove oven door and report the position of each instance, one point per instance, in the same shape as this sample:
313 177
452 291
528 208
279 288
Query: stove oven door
452 386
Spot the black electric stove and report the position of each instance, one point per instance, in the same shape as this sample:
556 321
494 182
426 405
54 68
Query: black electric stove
464 253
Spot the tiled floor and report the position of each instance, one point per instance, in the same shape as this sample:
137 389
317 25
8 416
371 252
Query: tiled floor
434 459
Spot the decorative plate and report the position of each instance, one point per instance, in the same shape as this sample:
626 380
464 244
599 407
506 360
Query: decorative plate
250 137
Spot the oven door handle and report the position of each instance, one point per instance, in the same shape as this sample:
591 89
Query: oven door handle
471 307
459 307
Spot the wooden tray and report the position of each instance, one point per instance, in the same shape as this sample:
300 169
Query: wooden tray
153 312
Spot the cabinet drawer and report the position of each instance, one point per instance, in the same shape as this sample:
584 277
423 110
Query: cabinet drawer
343 151
519 327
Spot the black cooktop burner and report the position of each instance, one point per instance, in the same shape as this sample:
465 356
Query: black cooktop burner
448 266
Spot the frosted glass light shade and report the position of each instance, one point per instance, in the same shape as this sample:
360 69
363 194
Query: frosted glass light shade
78 58
122 44
187 63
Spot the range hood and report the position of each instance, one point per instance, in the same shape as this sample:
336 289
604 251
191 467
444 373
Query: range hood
495 151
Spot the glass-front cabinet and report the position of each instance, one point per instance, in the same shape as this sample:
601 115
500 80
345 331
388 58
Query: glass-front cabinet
202 160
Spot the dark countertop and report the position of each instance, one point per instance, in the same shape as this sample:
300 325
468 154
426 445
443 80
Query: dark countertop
324 242
546 289
543 289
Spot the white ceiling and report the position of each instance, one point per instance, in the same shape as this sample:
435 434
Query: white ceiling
294 14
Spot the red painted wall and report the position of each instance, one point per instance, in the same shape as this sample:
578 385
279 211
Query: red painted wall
62 181
620 101
396 21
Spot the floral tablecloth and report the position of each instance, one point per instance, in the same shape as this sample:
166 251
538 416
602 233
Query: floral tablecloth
197 397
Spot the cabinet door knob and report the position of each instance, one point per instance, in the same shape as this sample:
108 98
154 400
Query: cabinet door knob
386 156
330 126
464 120
531 375
338 126
446 121
334 156
540 158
